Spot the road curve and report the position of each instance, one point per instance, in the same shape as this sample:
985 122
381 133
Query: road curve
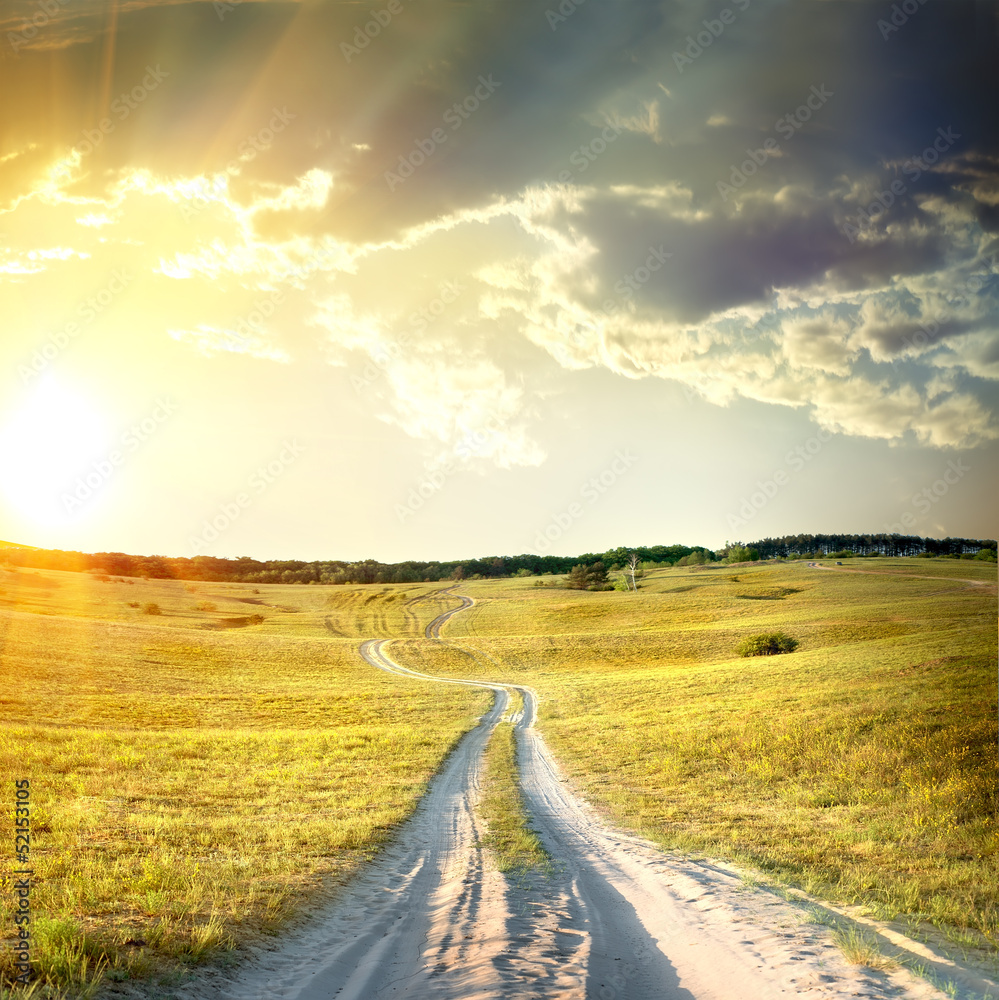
614 917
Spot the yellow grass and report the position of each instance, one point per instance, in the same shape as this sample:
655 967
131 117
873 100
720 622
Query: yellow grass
861 766
199 774
194 777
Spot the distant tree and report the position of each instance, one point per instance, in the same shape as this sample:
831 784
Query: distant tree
588 577
632 566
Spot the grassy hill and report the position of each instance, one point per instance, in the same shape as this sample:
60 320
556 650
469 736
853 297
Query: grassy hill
861 767
206 757
198 772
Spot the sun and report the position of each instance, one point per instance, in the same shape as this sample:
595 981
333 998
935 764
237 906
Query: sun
53 439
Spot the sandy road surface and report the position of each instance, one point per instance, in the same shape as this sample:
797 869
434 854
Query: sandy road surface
613 918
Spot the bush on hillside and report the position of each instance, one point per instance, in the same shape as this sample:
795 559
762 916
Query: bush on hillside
768 644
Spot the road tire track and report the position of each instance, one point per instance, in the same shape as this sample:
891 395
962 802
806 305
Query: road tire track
614 917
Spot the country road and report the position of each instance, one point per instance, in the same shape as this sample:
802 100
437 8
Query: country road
614 917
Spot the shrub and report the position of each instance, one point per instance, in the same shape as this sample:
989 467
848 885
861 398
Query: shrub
151 609
767 644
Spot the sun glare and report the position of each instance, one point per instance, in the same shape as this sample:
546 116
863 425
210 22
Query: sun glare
47 445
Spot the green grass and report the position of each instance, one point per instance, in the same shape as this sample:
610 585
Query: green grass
860 948
194 783
515 846
199 775
860 767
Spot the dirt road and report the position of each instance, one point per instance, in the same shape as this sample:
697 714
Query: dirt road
613 918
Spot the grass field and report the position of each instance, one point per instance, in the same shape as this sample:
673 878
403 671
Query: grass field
861 767
200 773
196 775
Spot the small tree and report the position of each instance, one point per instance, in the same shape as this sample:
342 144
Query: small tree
632 566
767 644
583 577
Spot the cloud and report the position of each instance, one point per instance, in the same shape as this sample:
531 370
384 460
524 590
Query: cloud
211 340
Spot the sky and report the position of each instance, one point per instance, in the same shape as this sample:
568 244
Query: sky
430 280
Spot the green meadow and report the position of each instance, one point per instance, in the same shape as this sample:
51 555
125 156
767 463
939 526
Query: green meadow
861 767
199 775
207 760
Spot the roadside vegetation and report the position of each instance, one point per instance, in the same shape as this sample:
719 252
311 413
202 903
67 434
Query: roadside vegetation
199 775
515 846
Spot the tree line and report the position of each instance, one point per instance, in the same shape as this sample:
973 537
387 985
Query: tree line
247 570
